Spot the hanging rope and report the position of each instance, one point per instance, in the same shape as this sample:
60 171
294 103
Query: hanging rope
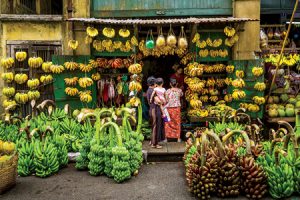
282 48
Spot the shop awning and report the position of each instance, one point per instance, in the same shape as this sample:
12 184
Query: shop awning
191 20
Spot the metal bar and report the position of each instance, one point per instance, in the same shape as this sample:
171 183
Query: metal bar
47 18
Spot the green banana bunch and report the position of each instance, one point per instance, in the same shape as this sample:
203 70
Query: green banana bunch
120 161
96 158
45 158
58 114
25 161
9 132
62 151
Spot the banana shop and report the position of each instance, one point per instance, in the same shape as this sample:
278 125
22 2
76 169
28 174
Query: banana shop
125 52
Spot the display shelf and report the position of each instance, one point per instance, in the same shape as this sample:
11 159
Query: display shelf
276 119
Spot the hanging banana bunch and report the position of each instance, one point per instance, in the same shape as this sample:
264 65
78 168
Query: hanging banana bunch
21 56
108 32
229 31
85 68
35 62
71 66
85 96
33 95
71 81
46 67
7 62
97 44
91 32
21 78
71 91
57 69
73 44
88 40
124 33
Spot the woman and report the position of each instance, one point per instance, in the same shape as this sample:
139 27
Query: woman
178 75
155 115
173 127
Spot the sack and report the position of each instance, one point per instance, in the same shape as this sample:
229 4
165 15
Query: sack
182 41
150 40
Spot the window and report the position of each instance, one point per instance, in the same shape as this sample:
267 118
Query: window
42 50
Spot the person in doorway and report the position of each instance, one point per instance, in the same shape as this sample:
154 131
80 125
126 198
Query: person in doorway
155 116
179 76
173 95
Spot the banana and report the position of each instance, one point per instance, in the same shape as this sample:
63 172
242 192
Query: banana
45 79
7 62
196 38
96 76
134 41
85 82
257 71
238 94
228 81
135 68
21 78
259 100
8 91
71 81
21 56
213 98
238 83
91 31
33 83
228 98
229 68
35 62
239 73
33 95
204 98
6 103
196 103
71 66
229 31
57 69
73 44
135 86
203 53
85 68
85 96
71 91
21 98
8 77
108 32
46 67
88 40
124 33
260 86
253 108
97 44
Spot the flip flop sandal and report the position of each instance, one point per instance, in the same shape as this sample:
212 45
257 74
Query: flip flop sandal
158 147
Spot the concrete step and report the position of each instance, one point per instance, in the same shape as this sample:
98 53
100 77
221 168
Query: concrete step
171 152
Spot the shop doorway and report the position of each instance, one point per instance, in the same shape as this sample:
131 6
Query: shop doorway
159 67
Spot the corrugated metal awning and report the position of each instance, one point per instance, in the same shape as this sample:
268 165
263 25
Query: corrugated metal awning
192 20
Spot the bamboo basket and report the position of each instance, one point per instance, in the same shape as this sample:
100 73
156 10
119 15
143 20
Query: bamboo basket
8 174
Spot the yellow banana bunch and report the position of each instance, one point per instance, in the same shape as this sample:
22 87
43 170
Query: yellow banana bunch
223 53
45 79
73 44
196 38
71 81
57 69
35 62
71 91
253 108
85 68
239 73
219 68
21 56
194 69
231 41
208 69
93 63
217 42
201 44
244 105
91 31
260 86
96 76
238 83
220 83
85 96
229 68
8 77
7 62
109 32
71 66
229 31
238 94
33 95
209 42
85 82
135 68
289 60
135 86
203 53
97 44
6 103
124 33
134 101
196 103
134 41
257 71
88 40
228 98
21 78
21 98
190 95
214 53
204 98
228 81
46 67
8 91
197 87
213 98
259 100
33 83
117 44
210 82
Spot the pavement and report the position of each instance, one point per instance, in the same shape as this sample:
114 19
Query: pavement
156 181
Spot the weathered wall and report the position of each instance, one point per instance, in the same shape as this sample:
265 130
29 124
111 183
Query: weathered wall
249 38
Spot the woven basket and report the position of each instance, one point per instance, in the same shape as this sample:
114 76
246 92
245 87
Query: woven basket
8 174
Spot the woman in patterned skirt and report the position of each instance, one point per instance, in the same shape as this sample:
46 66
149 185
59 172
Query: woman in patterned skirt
173 127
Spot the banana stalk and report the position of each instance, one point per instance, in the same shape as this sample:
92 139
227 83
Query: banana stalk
245 137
